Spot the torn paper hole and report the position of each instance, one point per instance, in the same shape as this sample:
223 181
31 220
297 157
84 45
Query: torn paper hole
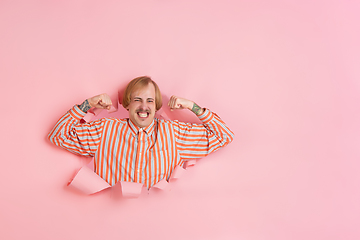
88 182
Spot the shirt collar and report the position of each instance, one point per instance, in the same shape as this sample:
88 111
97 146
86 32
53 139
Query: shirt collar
148 130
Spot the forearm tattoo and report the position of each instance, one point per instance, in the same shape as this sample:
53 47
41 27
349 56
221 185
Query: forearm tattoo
196 109
85 106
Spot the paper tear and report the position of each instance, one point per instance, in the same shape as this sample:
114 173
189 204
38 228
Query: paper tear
112 109
162 115
88 182
96 111
190 163
88 117
163 185
131 189
177 173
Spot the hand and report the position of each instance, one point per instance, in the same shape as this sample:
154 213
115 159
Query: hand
102 101
180 103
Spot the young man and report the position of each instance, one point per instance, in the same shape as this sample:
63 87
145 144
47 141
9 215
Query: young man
140 148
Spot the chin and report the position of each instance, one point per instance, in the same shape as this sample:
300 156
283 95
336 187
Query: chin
144 123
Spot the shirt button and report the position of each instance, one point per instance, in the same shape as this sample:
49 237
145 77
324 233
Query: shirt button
138 170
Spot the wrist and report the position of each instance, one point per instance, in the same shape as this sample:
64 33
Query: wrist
89 102
85 106
191 105
197 109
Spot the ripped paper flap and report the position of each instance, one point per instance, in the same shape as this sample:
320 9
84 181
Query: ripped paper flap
88 182
112 109
131 189
177 173
88 117
162 114
190 163
163 185
96 111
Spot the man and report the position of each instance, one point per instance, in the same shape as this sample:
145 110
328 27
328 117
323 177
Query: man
140 148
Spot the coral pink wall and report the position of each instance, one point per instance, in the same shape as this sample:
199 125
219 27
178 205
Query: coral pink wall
283 74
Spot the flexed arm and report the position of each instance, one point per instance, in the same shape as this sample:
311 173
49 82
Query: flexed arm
198 140
82 139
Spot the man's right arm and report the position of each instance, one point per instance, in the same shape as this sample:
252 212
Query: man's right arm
85 106
82 139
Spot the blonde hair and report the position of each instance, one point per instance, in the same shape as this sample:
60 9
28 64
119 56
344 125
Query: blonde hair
138 83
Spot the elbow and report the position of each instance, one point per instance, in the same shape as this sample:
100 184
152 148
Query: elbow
229 138
225 140
51 138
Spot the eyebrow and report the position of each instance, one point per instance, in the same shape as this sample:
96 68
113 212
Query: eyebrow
141 98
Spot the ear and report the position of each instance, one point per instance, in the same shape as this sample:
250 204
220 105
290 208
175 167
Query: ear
127 108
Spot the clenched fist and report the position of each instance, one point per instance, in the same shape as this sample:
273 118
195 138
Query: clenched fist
102 101
180 103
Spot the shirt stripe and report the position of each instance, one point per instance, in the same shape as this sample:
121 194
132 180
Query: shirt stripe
124 152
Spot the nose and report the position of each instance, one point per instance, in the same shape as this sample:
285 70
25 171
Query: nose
144 105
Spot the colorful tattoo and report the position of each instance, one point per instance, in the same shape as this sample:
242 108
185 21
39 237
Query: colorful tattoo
85 106
196 109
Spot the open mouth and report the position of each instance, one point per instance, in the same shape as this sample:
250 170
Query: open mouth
143 114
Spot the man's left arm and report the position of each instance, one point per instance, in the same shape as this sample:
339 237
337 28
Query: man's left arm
194 140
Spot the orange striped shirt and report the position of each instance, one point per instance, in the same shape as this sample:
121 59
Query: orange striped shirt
125 152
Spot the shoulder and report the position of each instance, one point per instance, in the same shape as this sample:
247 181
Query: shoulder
167 122
173 123
114 120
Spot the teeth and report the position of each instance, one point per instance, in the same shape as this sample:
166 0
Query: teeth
143 114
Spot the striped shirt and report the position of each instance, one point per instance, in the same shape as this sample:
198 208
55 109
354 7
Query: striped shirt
124 152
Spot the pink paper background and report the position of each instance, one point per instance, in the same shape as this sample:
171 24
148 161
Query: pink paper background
284 75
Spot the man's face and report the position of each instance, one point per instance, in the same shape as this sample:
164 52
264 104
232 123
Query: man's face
142 106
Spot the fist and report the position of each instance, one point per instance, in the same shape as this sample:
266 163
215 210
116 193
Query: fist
102 101
180 103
